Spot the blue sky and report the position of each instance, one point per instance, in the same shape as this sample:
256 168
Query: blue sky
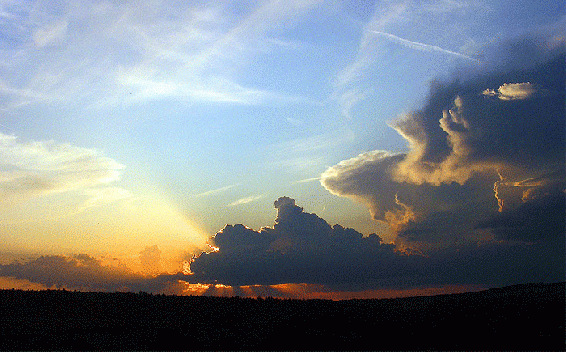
130 124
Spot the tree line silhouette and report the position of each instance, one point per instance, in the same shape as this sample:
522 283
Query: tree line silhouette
527 316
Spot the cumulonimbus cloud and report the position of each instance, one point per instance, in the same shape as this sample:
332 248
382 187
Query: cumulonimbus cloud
302 248
479 146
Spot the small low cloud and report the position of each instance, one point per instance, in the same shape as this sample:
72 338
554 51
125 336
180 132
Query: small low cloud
86 273
512 91
75 272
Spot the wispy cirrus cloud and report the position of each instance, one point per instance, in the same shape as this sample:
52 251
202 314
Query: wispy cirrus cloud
307 153
126 53
35 168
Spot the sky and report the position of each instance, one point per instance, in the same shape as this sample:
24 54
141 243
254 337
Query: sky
332 149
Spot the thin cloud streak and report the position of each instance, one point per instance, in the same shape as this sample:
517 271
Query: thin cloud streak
306 180
216 191
245 200
351 84
421 46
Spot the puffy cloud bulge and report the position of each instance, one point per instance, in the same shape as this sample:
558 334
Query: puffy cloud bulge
300 248
485 145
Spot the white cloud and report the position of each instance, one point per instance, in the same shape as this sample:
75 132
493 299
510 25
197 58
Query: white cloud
245 200
512 91
127 52
306 180
50 34
420 46
307 153
216 191
34 168
351 83
348 82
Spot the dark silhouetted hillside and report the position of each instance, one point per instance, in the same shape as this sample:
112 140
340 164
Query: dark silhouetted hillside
529 316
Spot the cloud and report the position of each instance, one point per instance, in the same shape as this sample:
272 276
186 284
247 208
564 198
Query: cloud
50 34
298 242
79 271
36 168
538 219
421 46
302 248
86 273
347 179
302 255
511 91
307 153
103 196
306 180
245 200
215 191
351 84
475 154
123 53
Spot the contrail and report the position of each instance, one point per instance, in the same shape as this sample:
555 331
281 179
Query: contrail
421 46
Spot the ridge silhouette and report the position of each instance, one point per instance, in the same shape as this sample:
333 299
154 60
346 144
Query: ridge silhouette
525 316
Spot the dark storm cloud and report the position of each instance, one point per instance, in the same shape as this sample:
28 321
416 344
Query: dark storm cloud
300 248
484 143
543 218
303 248
479 194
